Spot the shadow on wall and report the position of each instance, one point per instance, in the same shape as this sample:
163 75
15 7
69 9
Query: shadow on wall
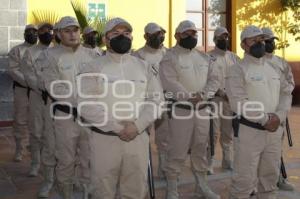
264 13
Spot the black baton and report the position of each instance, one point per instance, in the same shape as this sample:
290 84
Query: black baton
288 132
150 176
282 169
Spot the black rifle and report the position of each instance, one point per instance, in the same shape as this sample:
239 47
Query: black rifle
282 169
150 176
288 132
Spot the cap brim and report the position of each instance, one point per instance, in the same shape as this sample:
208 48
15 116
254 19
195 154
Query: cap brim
73 24
186 29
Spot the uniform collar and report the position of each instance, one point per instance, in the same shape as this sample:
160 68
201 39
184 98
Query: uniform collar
70 49
42 45
180 49
258 61
116 57
219 51
269 55
150 49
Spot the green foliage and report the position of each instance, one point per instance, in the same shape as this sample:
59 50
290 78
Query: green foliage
293 26
80 12
82 16
41 16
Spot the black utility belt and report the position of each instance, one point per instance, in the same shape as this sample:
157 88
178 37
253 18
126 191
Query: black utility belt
188 107
17 84
254 125
71 110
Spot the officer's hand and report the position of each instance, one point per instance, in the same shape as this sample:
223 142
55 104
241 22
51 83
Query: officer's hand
195 99
129 132
273 123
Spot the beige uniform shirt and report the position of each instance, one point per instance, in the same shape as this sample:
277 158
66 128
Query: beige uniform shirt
151 55
256 80
183 72
96 49
15 57
224 60
28 65
60 69
127 83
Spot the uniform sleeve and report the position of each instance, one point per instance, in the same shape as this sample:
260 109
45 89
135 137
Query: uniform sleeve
287 71
169 78
14 62
150 111
40 65
57 90
236 92
285 99
213 81
28 70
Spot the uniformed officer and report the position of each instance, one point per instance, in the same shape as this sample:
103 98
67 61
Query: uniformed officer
191 78
285 68
260 96
153 52
59 79
36 121
119 143
224 60
90 35
20 90
48 158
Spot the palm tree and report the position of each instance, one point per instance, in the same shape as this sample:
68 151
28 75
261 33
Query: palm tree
97 23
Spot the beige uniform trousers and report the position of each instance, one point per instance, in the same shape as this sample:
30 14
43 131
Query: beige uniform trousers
20 124
72 143
36 121
161 134
224 126
185 134
116 162
256 153
48 150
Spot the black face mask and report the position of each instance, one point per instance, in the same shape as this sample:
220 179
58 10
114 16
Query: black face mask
91 40
188 42
57 39
270 46
30 38
223 44
257 50
120 44
155 41
45 38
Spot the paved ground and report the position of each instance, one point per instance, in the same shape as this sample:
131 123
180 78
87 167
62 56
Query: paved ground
14 184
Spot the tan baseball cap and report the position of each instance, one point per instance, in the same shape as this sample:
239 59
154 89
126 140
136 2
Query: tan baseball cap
56 26
88 30
153 28
68 21
251 31
185 25
115 22
30 26
269 33
219 31
45 24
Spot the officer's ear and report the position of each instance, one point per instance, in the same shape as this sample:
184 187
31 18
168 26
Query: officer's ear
58 35
105 40
177 36
146 36
243 45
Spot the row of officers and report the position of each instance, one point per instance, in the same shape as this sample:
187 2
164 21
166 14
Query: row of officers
58 74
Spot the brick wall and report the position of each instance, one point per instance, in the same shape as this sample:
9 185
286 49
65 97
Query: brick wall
13 15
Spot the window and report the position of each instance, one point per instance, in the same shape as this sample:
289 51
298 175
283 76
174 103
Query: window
207 15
